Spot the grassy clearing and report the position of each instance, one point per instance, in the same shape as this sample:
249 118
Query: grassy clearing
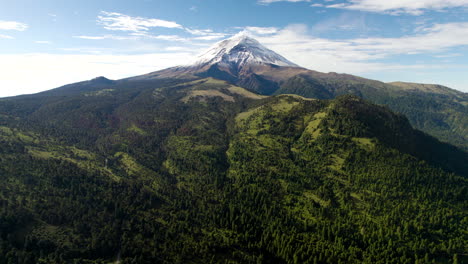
310 195
245 93
313 126
300 207
131 166
137 130
102 92
365 143
210 84
253 118
207 93
242 117
83 159
284 105
25 138
135 169
41 154
6 130
11 134
337 162
297 97
215 81
270 142
82 153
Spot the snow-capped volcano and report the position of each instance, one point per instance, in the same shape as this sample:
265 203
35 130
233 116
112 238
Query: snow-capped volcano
241 50
240 60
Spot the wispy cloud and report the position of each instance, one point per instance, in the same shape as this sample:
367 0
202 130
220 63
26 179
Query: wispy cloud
273 1
168 37
394 7
176 48
121 22
414 7
135 36
114 37
433 39
213 37
140 27
346 21
53 16
205 34
364 55
12 25
6 37
42 42
449 55
261 30
78 67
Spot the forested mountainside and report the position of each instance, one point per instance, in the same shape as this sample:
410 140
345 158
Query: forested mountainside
243 61
174 171
434 109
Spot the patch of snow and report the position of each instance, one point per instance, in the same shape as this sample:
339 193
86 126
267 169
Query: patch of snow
242 50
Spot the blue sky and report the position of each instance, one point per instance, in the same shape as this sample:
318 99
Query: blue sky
49 43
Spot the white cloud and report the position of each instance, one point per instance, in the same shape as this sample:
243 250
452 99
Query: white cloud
6 37
449 55
168 37
345 21
42 42
12 25
202 32
214 37
414 7
363 55
273 1
436 38
205 34
94 37
29 74
114 37
262 30
176 48
53 16
140 26
121 22
135 36
395 7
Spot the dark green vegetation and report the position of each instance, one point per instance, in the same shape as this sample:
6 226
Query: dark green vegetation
437 110
172 171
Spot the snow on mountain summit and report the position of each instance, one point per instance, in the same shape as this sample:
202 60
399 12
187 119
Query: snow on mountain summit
242 50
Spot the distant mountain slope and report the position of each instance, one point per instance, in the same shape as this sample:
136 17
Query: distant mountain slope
243 157
428 88
442 112
203 171
243 61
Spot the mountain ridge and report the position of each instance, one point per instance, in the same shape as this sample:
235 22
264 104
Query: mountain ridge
439 111
181 173
434 109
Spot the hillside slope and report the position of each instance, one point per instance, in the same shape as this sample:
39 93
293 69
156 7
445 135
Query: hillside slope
439 111
243 61
206 172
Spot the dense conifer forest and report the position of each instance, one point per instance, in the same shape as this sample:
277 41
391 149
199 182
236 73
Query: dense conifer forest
206 172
